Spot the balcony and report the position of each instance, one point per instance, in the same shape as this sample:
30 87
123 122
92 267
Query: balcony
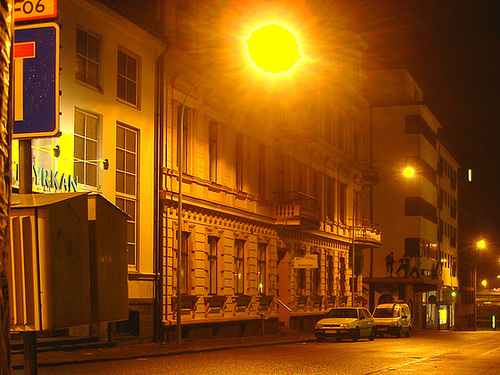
298 212
367 234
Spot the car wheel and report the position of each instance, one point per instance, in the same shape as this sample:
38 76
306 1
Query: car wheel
408 332
356 335
338 339
320 339
399 333
372 335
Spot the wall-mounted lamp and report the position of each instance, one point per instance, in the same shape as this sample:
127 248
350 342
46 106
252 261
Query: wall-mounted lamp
56 149
104 163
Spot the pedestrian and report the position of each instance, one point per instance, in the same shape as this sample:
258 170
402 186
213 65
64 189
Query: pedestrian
415 262
404 263
389 262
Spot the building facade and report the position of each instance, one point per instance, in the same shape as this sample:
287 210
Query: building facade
418 258
271 180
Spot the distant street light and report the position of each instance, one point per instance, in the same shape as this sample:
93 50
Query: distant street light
484 283
272 48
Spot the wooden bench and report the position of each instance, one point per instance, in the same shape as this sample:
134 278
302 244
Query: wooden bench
188 305
315 303
241 303
265 303
300 303
215 304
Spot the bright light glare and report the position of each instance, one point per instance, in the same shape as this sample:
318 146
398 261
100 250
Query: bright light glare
484 283
409 172
481 244
273 48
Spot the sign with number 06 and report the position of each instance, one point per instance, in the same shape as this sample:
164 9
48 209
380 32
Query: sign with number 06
28 10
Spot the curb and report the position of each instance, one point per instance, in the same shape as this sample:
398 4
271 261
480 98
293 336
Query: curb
165 354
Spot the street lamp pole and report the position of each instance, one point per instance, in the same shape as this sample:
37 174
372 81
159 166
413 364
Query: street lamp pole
180 165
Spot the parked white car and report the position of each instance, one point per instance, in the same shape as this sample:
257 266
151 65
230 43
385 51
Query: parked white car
346 322
393 319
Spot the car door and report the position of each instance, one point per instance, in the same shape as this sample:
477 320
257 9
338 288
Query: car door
367 322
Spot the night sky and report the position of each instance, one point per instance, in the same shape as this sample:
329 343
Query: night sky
452 49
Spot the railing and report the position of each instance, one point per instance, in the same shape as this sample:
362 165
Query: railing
367 232
297 213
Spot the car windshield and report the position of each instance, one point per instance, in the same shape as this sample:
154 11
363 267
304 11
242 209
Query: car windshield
342 313
387 312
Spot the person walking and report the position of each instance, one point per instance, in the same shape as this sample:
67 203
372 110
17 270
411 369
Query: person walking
389 262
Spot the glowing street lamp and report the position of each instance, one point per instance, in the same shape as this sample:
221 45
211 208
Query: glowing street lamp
484 283
408 172
481 244
272 48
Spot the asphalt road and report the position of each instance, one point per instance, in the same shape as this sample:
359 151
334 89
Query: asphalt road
423 353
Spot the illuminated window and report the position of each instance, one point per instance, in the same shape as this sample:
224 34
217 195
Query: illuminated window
128 78
316 278
88 58
212 264
126 173
261 268
86 134
239 266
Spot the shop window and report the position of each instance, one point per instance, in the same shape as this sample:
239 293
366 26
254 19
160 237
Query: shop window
88 58
128 78
316 278
86 142
185 268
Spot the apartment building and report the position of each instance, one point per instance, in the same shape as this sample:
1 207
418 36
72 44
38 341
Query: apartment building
418 216
272 173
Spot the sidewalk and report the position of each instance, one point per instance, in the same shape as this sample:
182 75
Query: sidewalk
133 349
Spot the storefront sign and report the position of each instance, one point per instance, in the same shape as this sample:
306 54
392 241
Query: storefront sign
52 180
308 261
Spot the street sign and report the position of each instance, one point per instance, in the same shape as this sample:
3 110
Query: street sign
31 10
36 81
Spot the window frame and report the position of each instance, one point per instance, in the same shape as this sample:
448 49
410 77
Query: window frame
86 81
137 82
87 140
212 265
239 266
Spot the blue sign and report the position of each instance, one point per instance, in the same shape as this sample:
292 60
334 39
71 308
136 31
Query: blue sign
36 81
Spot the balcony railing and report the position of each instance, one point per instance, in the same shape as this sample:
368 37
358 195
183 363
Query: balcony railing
367 233
299 211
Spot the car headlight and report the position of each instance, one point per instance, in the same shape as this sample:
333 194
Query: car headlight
318 326
345 325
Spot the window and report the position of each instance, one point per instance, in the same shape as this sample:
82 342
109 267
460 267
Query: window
212 264
239 162
330 198
212 151
239 266
329 275
127 78
186 150
316 278
261 268
126 183
262 171
184 284
86 133
341 130
300 274
343 203
88 58
126 160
